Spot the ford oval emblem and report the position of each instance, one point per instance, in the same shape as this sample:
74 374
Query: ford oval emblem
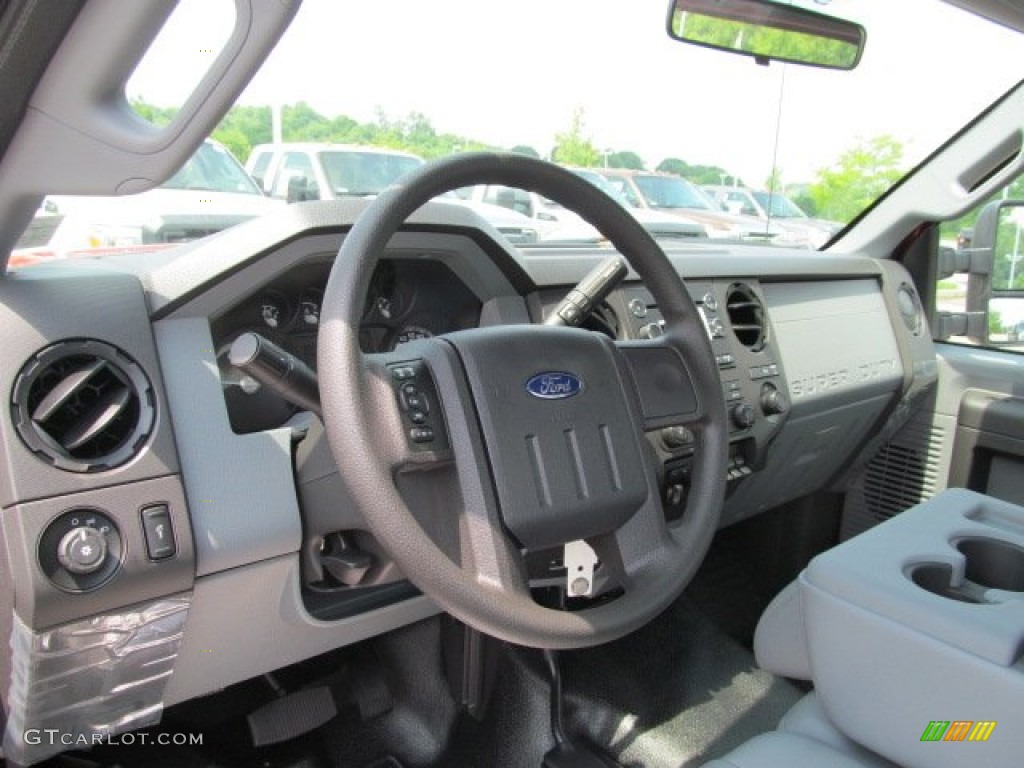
554 385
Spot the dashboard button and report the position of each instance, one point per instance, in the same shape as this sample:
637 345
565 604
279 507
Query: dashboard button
157 530
421 434
638 307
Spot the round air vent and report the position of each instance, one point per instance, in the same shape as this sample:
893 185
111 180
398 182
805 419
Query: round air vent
909 307
746 315
83 406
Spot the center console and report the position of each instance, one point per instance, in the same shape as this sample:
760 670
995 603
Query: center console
914 632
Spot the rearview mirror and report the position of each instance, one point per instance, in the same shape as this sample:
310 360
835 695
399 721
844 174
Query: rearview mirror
768 32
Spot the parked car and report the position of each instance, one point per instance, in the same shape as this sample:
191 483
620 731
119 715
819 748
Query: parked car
660 225
798 228
665 192
357 483
316 171
209 193
297 172
551 220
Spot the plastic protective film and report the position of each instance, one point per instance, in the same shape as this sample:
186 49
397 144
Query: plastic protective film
74 684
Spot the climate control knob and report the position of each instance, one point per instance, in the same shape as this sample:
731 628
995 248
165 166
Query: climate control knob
651 331
82 550
773 402
743 416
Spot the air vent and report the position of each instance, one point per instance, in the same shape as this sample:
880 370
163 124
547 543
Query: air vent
746 315
83 406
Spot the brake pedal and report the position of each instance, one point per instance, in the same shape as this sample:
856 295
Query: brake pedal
291 716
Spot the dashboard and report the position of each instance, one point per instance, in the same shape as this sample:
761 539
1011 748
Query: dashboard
819 357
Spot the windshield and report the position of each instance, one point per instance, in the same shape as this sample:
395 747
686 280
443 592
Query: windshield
213 169
778 206
364 173
662 115
669 192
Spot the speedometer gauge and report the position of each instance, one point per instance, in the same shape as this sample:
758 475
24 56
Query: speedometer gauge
309 307
411 333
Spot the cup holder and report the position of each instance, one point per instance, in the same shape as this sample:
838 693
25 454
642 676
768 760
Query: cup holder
936 577
990 564
993 564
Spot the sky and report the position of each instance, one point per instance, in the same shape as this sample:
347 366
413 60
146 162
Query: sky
513 73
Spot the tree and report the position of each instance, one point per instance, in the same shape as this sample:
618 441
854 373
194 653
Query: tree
523 149
154 114
672 165
625 159
712 174
573 147
860 175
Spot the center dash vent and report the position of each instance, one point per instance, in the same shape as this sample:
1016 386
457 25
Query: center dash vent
746 315
83 406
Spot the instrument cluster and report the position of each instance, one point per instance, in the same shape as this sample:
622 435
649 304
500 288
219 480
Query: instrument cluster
408 298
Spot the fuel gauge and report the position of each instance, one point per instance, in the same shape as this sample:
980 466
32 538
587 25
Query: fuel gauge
274 310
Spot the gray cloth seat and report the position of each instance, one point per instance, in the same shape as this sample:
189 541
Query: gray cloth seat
805 739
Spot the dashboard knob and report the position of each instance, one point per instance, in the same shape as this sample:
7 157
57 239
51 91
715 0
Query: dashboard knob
650 331
773 401
743 416
676 437
82 550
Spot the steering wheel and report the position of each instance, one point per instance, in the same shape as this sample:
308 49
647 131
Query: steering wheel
536 432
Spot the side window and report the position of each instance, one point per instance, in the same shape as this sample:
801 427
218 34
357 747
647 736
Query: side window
259 168
296 180
737 202
517 200
626 189
979 295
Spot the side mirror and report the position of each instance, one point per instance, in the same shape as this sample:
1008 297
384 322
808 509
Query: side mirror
997 286
298 188
768 32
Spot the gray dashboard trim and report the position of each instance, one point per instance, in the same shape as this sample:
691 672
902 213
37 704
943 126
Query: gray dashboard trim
173 278
240 488
250 620
561 266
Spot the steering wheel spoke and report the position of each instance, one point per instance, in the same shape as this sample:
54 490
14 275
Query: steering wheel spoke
662 381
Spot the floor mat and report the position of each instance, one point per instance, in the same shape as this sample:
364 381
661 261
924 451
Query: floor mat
677 693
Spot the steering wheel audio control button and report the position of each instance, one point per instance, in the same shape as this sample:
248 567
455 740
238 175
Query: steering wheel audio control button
414 388
421 435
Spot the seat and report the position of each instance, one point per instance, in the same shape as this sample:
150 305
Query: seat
805 736
779 749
